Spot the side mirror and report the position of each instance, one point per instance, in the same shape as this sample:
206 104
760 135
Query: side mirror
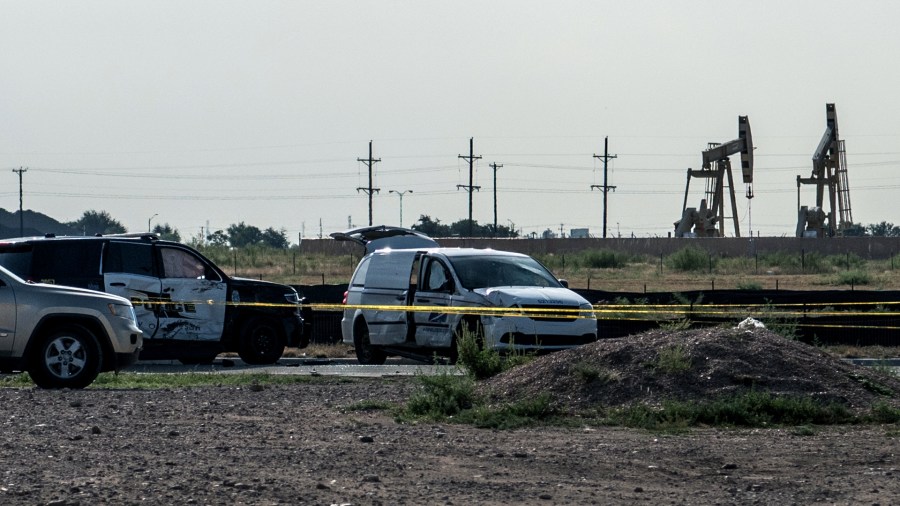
564 282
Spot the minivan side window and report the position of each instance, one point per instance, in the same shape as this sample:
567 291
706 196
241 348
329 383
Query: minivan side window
130 258
437 279
359 278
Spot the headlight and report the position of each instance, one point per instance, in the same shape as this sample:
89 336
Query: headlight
122 311
587 311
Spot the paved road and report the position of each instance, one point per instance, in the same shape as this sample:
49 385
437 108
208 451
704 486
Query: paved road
300 366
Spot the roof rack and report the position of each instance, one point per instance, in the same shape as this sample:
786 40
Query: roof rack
149 236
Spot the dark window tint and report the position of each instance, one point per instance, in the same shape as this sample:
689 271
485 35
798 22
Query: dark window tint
66 260
17 259
130 258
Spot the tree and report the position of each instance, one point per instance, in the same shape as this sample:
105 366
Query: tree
241 234
166 232
275 238
883 229
431 228
218 238
97 222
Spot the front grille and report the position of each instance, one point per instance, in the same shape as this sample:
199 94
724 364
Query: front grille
540 313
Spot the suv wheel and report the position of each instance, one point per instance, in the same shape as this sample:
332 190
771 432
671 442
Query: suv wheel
261 342
366 352
68 357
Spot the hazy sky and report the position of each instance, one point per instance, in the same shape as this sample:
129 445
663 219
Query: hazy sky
221 111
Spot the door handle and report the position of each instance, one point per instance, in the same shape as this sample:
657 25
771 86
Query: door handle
423 300
117 284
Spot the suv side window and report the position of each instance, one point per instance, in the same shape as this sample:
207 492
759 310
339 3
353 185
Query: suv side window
130 258
66 262
17 258
179 263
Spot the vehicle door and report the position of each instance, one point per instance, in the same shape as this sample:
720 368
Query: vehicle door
194 296
387 292
7 316
129 271
434 328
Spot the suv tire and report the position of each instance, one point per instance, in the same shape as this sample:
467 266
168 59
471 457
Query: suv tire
68 357
262 342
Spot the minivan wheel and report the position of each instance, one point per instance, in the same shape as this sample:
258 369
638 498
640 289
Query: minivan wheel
261 342
68 357
366 352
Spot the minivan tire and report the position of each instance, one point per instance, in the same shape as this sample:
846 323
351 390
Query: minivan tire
366 352
262 342
68 357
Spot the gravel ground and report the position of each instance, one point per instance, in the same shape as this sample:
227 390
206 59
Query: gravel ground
300 444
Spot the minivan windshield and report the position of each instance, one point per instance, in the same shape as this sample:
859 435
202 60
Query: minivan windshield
497 270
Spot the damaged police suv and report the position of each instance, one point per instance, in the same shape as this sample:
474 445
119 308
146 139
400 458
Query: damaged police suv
187 307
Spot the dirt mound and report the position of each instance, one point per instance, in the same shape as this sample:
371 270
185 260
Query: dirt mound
694 365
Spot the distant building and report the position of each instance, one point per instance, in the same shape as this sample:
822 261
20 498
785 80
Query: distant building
579 233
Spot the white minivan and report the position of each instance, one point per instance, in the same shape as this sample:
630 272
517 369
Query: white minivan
410 297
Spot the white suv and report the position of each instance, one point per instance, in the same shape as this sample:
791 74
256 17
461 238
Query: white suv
62 336
410 297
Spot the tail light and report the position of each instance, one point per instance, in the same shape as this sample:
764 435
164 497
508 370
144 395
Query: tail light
344 302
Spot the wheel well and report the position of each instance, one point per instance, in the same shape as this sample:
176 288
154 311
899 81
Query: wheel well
50 323
358 323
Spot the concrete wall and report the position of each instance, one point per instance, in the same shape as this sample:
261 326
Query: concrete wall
870 248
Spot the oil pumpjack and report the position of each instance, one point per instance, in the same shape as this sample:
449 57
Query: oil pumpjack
829 173
709 220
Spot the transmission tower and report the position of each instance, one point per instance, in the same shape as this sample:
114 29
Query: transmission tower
369 190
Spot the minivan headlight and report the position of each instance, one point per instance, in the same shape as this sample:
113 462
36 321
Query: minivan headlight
587 311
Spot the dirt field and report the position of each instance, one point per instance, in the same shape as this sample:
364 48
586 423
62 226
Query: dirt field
301 445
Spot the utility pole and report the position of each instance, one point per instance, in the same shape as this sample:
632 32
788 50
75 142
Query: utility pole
369 190
495 167
21 171
470 188
606 156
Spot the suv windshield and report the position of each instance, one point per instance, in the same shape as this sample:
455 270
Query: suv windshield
496 270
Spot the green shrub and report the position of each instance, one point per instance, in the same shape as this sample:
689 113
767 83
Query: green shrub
752 409
588 372
673 359
603 259
856 277
847 261
690 258
481 362
441 397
